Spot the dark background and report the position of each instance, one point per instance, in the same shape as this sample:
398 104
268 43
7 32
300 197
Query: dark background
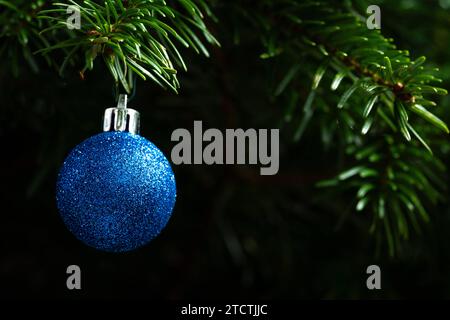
233 233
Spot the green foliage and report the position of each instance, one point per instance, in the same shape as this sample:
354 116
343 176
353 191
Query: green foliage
368 97
381 110
133 37
20 32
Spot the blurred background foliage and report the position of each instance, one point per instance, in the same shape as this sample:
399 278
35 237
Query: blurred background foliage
233 233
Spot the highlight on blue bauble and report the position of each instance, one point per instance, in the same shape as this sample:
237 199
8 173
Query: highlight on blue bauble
116 191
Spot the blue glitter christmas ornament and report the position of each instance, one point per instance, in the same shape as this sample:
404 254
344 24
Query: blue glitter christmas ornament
116 190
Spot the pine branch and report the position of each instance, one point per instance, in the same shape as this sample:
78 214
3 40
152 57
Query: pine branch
19 33
365 95
134 37
376 63
382 92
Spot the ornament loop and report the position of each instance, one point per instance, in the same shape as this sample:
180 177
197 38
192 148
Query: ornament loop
122 118
122 103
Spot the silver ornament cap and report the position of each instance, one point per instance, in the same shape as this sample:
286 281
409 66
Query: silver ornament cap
122 118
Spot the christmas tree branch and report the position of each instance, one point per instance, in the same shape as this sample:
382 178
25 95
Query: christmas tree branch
369 101
19 32
133 37
387 97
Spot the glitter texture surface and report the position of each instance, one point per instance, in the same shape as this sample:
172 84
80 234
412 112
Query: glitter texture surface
116 191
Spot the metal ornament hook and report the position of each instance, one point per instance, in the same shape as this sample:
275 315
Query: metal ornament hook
122 118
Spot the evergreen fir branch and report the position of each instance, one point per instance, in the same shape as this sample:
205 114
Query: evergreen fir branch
381 109
364 94
132 37
19 33
365 53
393 181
